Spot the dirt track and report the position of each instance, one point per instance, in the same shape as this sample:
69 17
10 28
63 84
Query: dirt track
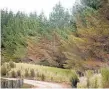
40 84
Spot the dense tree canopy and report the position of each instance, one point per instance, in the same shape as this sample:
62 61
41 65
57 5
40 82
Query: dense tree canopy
66 39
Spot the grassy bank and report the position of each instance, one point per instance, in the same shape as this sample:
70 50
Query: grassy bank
39 72
53 74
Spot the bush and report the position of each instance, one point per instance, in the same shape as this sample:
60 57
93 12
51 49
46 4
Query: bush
89 74
26 73
32 73
74 79
7 66
42 77
94 82
51 78
44 62
105 77
3 70
39 75
12 64
13 74
19 73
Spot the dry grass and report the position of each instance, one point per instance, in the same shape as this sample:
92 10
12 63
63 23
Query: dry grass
95 81
45 73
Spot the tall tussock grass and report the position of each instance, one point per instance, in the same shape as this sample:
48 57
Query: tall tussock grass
12 64
91 80
5 68
32 73
105 77
19 73
26 73
13 74
3 71
89 74
43 73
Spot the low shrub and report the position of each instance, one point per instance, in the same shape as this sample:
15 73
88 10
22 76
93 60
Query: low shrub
44 62
37 74
26 73
12 64
13 74
74 79
32 73
51 78
94 82
3 71
18 73
105 77
5 68
42 77
89 74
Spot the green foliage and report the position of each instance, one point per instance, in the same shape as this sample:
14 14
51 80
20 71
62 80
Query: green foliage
88 42
105 77
16 28
89 74
74 79
95 4
44 62
59 17
70 48
20 52
84 35
11 33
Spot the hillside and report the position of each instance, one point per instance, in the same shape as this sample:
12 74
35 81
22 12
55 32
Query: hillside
69 44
